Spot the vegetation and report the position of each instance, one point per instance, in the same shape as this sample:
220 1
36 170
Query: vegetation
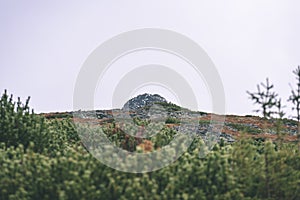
172 120
204 122
58 115
295 96
271 105
44 159
266 98
295 99
171 107
245 128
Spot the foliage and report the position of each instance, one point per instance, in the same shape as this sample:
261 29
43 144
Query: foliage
295 99
58 115
295 96
57 166
171 107
244 128
266 99
141 122
172 120
129 142
271 105
231 172
204 122
19 125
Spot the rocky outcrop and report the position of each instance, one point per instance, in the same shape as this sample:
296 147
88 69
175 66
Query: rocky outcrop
143 100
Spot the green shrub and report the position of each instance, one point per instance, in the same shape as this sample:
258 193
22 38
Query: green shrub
19 124
57 166
172 120
245 128
171 107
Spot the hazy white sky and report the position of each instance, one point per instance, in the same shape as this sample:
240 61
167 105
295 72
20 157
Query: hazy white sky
44 44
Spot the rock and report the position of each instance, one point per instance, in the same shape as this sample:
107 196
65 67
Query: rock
143 100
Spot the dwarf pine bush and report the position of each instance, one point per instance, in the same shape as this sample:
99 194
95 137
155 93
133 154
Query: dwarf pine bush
44 159
19 124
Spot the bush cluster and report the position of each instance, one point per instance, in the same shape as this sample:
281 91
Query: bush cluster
44 159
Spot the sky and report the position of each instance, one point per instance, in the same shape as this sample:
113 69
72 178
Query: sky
44 45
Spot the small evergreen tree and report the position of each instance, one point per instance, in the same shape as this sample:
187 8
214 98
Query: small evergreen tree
265 98
295 99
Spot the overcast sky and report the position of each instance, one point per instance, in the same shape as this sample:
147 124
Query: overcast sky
43 45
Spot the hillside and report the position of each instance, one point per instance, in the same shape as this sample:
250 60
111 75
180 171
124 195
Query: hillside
234 126
45 157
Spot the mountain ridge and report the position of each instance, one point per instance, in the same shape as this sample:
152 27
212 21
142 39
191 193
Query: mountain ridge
234 126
